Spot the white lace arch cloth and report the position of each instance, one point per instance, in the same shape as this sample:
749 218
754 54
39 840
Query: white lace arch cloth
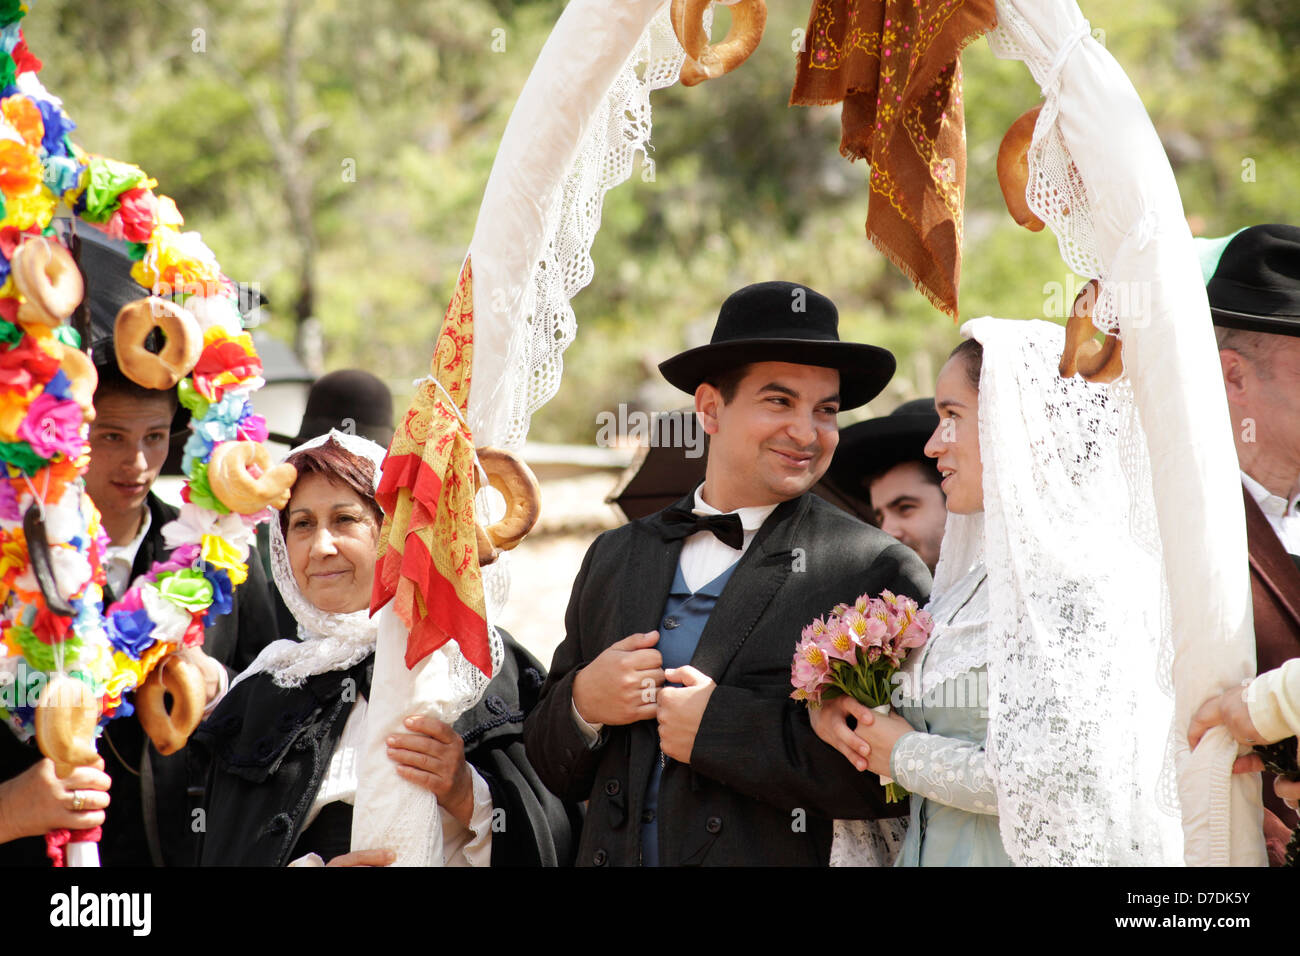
1099 178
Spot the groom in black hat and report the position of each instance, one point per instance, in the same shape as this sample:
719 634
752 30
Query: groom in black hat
1253 283
668 703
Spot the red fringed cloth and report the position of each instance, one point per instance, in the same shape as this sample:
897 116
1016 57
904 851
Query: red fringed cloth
56 842
894 65
428 556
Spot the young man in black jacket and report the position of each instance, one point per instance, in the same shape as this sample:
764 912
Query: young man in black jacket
668 703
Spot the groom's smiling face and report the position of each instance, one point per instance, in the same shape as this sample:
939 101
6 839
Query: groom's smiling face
774 439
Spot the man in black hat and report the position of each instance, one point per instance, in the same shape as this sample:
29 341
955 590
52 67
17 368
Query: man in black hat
668 703
1253 283
886 458
150 818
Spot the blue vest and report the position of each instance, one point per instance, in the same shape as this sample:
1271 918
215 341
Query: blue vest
685 615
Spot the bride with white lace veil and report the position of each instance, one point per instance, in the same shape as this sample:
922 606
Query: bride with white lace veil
1015 724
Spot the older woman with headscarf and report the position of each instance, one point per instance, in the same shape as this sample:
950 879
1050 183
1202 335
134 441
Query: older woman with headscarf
283 746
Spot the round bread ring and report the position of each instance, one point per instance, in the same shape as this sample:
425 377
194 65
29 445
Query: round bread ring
80 370
170 731
1013 169
238 488
706 61
48 277
1096 362
518 486
180 352
65 724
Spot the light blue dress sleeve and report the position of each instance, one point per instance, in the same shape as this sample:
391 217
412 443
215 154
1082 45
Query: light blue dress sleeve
946 770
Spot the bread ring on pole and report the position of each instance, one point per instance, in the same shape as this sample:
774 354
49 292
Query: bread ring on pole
49 280
180 352
65 723
705 61
240 473
80 370
1096 362
169 731
518 486
1013 169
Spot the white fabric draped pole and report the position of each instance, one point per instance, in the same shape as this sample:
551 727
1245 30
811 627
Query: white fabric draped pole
1100 179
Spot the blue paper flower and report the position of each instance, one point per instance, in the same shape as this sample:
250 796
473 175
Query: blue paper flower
222 593
131 632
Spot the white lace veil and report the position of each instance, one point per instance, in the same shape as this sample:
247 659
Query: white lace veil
1080 694
327 641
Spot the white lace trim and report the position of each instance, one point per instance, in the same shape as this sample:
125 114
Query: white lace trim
867 842
620 129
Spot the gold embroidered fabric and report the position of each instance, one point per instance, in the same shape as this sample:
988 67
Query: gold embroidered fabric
428 559
894 65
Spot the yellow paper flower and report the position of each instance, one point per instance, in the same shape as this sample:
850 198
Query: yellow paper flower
221 553
34 208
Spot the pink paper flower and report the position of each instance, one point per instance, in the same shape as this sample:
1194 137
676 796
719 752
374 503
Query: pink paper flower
52 426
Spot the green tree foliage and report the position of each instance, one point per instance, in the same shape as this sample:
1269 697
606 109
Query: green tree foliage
337 152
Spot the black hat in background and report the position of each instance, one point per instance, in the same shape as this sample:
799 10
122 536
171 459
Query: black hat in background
783 322
351 400
1252 278
878 444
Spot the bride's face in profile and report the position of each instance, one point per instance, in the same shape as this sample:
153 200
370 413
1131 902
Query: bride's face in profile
331 539
955 444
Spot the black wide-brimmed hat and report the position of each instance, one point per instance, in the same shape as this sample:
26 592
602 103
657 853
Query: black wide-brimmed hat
1253 279
351 400
878 444
783 322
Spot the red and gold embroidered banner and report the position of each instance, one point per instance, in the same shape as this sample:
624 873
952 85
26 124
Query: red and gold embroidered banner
894 65
428 561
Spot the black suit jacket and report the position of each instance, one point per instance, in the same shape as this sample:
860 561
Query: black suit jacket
760 788
150 818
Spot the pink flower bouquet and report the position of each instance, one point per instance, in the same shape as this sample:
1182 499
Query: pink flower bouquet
857 651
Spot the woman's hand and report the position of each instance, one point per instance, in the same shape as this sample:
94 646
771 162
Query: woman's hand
211 670
830 722
881 732
1230 710
433 756
37 801
364 858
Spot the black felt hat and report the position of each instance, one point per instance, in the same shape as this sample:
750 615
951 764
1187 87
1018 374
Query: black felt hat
1253 279
351 400
783 322
878 444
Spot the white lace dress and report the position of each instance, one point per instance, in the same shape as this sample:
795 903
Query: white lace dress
954 818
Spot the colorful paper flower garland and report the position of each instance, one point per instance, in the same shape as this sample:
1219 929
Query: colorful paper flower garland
43 432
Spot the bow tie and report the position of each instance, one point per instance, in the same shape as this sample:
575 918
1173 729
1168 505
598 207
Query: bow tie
681 523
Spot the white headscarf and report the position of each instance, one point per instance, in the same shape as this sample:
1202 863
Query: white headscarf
327 641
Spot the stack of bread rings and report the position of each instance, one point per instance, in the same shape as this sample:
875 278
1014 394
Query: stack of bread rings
67 664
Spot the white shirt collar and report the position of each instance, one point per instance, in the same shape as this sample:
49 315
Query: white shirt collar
751 519
1275 506
119 559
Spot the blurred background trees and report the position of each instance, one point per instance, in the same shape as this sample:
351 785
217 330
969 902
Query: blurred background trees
336 153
